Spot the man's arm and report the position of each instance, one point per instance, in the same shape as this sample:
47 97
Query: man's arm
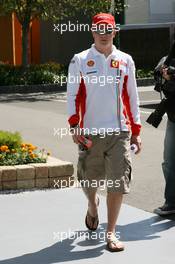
133 105
73 86
73 83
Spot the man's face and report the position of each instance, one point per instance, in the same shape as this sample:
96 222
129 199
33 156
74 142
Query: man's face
103 35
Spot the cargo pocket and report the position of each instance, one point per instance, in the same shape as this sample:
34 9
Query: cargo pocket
81 166
127 174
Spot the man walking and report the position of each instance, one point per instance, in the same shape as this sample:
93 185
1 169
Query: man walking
102 97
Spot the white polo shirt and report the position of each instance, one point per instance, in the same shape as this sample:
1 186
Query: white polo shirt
102 92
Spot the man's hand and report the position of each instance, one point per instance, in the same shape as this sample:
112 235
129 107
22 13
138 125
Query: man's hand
137 141
76 131
165 75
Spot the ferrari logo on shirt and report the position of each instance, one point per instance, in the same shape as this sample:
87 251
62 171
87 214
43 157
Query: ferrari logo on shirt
90 63
115 64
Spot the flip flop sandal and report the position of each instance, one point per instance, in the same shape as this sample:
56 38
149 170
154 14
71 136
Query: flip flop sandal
93 219
116 248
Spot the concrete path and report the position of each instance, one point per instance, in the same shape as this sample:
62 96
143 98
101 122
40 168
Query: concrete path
33 224
38 116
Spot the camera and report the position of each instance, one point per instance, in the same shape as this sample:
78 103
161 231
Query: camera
160 83
165 86
156 117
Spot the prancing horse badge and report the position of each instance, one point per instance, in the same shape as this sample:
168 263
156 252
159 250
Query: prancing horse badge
115 64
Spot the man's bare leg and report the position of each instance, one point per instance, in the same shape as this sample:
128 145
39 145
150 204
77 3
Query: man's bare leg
114 201
92 205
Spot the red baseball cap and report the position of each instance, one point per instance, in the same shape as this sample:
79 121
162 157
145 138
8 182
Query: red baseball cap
103 18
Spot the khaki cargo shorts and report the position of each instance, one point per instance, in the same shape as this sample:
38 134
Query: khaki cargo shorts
107 162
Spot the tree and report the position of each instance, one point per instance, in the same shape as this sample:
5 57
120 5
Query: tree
27 10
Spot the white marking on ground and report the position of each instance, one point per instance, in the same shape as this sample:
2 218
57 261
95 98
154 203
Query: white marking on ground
149 102
145 112
145 89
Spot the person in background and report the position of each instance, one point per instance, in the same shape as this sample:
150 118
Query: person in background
168 164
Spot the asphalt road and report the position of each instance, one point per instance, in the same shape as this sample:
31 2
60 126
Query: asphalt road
39 116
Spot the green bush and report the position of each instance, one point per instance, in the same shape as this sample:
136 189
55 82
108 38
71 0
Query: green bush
43 74
12 140
32 74
144 73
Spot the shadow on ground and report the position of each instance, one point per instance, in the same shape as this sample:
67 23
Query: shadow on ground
77 247
149 106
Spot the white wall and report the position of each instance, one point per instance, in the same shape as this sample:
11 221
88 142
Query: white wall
150 11
162 11
137 12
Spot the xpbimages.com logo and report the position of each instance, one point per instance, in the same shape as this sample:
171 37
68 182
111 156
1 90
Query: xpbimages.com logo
101 80
101 132
81 27
102 184
101 235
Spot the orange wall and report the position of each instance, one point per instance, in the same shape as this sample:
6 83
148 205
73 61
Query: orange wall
17 38
35 42
6 39
11 41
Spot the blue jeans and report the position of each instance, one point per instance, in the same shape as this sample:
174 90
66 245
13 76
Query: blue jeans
168 164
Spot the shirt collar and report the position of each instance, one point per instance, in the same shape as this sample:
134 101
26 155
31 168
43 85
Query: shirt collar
97 53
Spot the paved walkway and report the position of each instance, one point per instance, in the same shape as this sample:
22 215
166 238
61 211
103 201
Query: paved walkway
32 223
52 96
